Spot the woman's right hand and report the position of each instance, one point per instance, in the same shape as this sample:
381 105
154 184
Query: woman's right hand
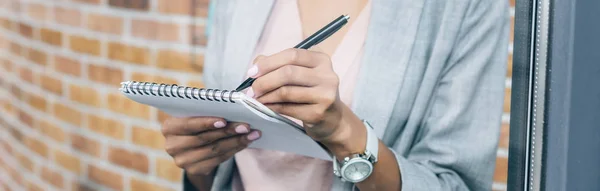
199 144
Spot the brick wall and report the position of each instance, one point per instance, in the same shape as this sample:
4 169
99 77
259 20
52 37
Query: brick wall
64 126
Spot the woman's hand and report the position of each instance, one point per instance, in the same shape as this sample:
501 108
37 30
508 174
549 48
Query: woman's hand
302 84
200 144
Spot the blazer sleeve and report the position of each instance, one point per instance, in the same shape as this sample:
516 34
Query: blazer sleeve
218 22
457 143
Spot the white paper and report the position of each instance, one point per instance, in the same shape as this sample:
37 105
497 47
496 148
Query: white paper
276 135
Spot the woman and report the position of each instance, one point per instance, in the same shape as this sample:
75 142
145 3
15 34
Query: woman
426 76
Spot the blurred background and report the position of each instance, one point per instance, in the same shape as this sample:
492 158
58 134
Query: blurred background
64 124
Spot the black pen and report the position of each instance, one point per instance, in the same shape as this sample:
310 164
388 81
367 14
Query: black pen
312 40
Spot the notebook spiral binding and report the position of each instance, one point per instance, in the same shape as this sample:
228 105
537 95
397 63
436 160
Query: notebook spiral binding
174 90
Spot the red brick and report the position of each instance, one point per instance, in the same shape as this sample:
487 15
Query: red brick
17 176
37 11
16 133
26 119
34 186
16 91
88 1
153 30
51 130
197 35
182 7
37 146
510 65
140 5
14 26
51 84
67 161
504 136
37 56
5 23
25 162
106 126
104 74
52 177
85 95
507 92
148 138
128 159
105 177
120 104
137 184
7 65
26 30
15 7
500 175
172 60
161 116
16 49
125 53
105 23
51 37
85 145
512 29
38 102
142 77
26 74
67 114
67 16
166 168
67 66
6 146
85 45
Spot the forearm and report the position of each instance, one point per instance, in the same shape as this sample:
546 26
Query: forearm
201 182
386 172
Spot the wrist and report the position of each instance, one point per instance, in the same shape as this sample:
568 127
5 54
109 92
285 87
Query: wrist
199 182
350 136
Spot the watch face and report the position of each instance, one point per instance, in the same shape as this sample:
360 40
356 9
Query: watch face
357 170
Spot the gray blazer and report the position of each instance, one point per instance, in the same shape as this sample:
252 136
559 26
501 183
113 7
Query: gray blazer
431 83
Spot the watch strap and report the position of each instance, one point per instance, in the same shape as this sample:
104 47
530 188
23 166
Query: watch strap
372 147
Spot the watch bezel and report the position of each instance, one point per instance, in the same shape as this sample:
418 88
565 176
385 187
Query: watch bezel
348 162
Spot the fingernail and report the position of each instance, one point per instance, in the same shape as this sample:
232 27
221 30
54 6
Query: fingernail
253 71
253 136
250 92
241 129
219 124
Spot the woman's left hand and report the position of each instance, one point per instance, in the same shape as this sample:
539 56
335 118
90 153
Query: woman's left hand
302 84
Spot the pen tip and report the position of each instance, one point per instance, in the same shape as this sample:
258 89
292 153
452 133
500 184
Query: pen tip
347 17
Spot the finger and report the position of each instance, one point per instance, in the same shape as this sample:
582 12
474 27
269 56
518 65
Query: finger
191 125
178 144
216 148
292 56
286 75
205 167
292 94
259 58
308 113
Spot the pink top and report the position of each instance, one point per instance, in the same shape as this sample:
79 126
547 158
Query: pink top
268 170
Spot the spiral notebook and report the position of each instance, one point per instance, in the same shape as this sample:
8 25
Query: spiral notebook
278 132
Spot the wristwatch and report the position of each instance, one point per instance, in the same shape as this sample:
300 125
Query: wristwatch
359 167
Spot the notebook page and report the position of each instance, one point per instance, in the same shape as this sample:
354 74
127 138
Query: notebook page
276 135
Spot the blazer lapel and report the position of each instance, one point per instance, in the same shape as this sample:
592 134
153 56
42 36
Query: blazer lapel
247 25
391 34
